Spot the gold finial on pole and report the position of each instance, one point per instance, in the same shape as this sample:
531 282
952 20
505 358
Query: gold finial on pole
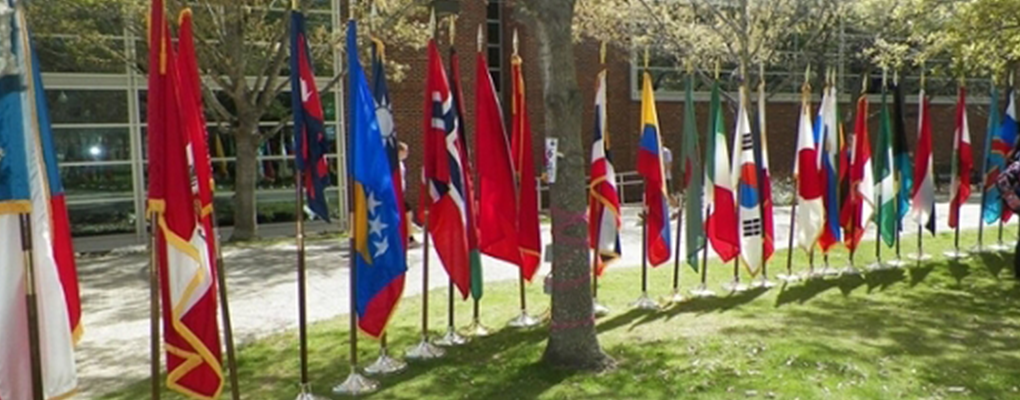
689 66
453 29
516 42
864 83
885 78
373 16
761 74
432 23
646 57
481 38
1011 79
922 76
294 4
807 74
717 69
896 77
602 52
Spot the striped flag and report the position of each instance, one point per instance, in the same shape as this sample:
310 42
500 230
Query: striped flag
862 180
657 243
529 234
830 153
963 161
810 205
603 199
923 199
721 223
447 204
886 177
692 180
1003 138
30 185
748 175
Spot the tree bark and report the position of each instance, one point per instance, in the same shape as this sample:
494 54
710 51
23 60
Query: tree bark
245 181
573 341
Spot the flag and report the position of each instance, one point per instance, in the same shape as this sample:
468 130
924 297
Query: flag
529 235
721 223
657 243
497 198
963 161
886 177
692 174
444 178
384 115
184 252
810 187
30 184
998 146
603 200
469 192
380 261
923 197
762 159
310 145
903 163
862 180
830 153
748 175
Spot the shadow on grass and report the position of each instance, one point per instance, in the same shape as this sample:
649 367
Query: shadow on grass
993 262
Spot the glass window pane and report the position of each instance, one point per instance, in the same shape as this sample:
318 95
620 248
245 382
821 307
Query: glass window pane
59 54
92 144
97 183
102 218
88 106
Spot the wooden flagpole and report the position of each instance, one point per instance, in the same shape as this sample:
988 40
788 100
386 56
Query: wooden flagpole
34 345
154 333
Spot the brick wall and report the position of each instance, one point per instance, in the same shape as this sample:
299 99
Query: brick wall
624 112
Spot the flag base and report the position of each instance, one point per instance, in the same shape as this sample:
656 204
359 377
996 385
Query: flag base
424 350
385 365
676 297
476 329
876 266
956 254
999 247
735 287
828 271
354 385
791 278
451 338
920 257
896 263
598 309
849 270
645 303
702 292
764 283
524 320
814 275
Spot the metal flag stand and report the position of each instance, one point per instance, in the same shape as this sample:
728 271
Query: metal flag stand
597 308
425 350
702 291
676 297
644 302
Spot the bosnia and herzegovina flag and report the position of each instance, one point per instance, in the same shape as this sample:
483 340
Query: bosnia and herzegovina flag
603 200
963 161
310 144
657 242
810 205
1002 137
749 176
923 197
444 174
30 186
380 260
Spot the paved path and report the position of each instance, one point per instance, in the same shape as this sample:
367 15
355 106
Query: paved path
114 350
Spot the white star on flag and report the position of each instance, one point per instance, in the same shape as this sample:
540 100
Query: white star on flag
373 203
381 247
376 226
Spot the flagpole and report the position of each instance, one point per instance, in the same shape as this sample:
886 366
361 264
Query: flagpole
154 339
677 297
984 169
32 307
790 276
644 302
881 192
703 290
228 328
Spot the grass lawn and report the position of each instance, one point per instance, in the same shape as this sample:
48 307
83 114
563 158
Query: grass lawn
941 330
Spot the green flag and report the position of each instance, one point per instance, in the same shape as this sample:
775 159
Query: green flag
886 182
692 175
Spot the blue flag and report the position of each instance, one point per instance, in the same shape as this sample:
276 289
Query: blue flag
310 144
380 260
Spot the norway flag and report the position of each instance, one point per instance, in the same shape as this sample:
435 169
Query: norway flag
657 241
309 132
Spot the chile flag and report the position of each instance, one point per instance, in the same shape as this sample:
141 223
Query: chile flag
310 143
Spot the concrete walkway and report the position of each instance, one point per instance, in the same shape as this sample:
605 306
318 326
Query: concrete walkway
261 279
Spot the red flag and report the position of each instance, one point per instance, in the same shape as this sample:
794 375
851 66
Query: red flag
963 162
862 182
529 235
497 198
444 178
185 254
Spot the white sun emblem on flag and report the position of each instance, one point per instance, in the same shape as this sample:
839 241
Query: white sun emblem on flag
384 115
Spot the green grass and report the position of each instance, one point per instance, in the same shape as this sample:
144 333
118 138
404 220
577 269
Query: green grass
941 330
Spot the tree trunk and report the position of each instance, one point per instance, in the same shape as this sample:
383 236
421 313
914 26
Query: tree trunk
245 181
573 342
